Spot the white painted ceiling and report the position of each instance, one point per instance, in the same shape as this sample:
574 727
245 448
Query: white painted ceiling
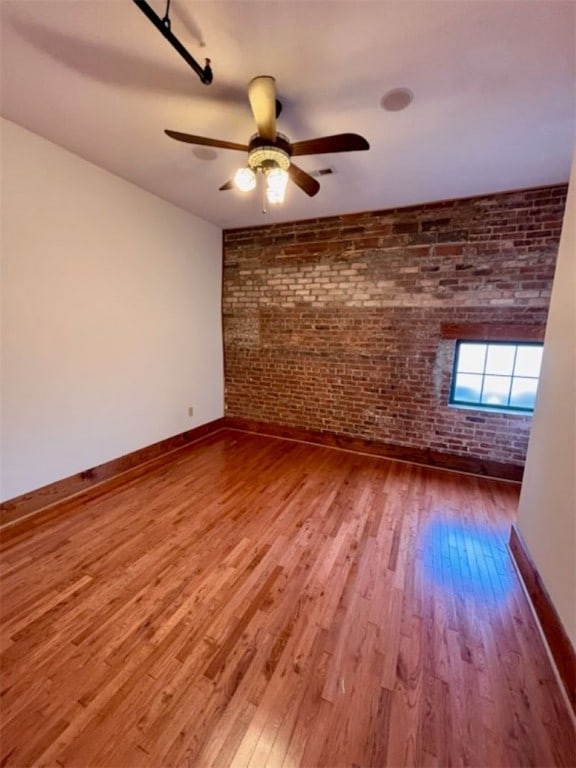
494 88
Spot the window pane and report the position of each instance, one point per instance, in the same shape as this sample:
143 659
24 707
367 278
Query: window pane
523 393
496 390
528 361
500 359
468 388
496 374
471 358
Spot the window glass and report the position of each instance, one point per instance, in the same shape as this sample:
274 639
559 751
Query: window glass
500 359
496 390
471 358
523 393
495 375
468 387
528 361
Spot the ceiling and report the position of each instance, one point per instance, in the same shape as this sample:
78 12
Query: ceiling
494 87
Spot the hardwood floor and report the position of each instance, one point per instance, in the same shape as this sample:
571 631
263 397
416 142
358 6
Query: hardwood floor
258 602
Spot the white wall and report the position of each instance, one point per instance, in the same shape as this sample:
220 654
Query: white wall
111 315
547 513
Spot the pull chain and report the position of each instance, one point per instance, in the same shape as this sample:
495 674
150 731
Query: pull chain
166 19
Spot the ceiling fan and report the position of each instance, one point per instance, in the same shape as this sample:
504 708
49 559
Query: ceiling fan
270 152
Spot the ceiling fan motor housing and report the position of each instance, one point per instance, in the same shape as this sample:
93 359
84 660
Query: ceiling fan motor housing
264 154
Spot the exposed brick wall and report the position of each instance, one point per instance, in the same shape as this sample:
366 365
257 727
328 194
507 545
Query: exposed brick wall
334 324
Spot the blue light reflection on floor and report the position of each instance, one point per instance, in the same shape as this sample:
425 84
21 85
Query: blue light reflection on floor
466 559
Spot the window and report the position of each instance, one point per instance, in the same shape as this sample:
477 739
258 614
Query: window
496 375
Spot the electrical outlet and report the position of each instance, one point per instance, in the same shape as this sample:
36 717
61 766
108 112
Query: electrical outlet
190 410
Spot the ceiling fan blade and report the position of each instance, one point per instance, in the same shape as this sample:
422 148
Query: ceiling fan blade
303 180
189 139
341 142
228 185
262 98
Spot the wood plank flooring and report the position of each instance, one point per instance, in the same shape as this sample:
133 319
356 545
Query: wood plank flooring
264 603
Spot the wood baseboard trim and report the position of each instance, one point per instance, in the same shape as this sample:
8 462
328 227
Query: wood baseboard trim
98 479
437 459
554 633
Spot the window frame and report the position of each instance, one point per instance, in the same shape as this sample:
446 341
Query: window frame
479 406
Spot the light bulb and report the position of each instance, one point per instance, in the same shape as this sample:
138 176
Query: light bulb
245 179
276 181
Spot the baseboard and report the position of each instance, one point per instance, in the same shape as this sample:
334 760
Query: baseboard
97 479
91 479
558 641
426 457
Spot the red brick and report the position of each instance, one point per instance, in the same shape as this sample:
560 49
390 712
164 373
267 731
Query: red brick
305 355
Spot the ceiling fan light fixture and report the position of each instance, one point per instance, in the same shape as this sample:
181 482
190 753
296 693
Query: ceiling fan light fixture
276 181
245 179
270 152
